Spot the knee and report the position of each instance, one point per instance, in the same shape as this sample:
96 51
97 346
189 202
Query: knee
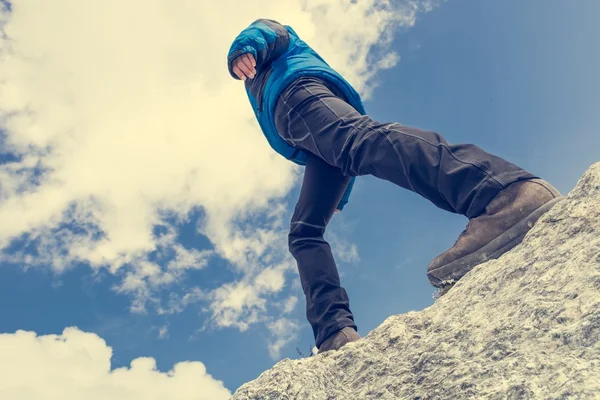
301 236
362 151
292 243
295 243
295 239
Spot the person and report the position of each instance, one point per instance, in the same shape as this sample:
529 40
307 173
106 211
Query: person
312 116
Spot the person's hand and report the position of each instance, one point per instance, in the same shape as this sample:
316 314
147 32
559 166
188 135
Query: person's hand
336 210
244 66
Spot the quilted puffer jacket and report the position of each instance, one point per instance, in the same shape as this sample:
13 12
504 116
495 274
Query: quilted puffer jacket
281 57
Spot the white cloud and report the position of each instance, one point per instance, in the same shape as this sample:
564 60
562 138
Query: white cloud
243 303
178 303
283 331
76 365
163 332
343 250
290 304
123 112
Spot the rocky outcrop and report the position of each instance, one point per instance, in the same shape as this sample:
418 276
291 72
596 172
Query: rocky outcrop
525 326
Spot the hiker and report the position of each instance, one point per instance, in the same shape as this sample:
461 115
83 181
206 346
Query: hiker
312 116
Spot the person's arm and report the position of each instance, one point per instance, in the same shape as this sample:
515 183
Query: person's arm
346 196
264 39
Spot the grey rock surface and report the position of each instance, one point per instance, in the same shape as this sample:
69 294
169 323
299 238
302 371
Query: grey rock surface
525 326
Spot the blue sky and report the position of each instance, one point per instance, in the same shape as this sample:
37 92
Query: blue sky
519 79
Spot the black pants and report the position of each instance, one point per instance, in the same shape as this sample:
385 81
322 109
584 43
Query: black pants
313 115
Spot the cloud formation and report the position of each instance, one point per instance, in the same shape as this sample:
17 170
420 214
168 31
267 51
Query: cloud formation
118 118
76 365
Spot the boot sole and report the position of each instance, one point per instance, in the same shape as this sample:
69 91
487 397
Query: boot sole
450 273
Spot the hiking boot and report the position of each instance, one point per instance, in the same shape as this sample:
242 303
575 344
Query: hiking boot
338 339
502 226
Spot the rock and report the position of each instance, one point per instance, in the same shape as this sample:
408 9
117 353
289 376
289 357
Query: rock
525 326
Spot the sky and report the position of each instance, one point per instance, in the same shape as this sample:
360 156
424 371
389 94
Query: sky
143 216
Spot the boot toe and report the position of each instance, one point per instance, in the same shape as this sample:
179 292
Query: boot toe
339 339
501 227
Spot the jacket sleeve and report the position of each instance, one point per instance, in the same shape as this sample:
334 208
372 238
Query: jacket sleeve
266 39
346 194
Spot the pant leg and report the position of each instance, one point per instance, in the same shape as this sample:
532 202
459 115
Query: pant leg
327 303
459 178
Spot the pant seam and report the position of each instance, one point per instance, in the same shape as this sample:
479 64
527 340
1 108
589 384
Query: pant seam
287 117
300 139
477 165
308 238
322 102
307 224
399 158
311 134
485 183
482 185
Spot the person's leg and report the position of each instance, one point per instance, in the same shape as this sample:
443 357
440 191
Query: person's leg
502 200
327 303
459 178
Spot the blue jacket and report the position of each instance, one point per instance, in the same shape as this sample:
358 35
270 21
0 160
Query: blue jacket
281 57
